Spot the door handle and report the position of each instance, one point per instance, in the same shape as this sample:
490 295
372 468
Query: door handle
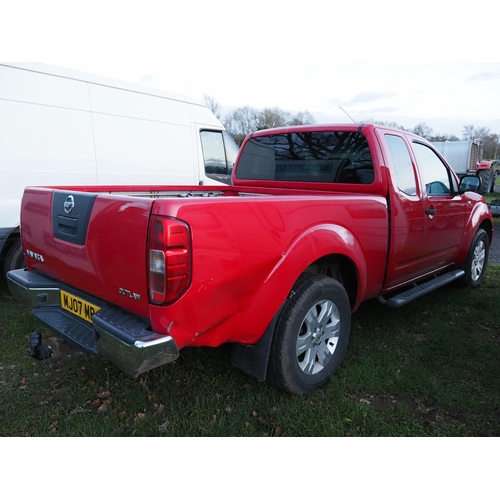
431 211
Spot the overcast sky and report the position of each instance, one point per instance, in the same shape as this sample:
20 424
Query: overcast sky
446 96
287 53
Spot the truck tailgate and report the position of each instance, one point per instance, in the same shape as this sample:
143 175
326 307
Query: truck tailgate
84 240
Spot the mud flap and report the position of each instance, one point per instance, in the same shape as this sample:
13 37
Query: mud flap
253 359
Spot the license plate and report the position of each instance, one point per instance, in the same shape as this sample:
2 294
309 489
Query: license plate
77 306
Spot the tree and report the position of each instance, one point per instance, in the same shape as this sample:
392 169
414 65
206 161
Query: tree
241 122
488 140
244 120
491 146
483 134
443 138
479 134
212 104
302 118
272 118
468 132
422 130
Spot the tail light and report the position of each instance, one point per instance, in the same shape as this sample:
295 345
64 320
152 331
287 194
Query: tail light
169 259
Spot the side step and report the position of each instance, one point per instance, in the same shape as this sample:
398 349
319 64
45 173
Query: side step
429 286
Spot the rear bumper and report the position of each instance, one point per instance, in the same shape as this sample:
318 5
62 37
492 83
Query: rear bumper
123 338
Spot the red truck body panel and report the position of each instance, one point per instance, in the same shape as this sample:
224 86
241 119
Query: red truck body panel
250 242
268 241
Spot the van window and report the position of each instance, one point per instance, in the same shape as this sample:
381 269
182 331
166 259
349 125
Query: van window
219 154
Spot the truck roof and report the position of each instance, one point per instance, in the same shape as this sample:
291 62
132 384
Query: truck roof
347 127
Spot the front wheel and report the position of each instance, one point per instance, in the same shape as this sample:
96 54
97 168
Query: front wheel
477 259
311 336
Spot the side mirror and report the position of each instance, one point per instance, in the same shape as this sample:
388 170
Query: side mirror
469 183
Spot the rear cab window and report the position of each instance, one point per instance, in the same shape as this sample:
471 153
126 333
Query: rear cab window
319 156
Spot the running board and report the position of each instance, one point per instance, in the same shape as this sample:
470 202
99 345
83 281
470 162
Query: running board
429 286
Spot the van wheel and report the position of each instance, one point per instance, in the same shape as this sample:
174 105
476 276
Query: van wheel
311 336
477 259
15 257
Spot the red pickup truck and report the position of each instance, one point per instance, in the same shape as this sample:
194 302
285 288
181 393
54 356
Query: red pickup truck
317 220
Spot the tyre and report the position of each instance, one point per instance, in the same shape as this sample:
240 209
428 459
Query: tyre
487 181
477 259
15 257
494 183
311 335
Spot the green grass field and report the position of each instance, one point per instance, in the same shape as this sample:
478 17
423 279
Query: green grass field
429 369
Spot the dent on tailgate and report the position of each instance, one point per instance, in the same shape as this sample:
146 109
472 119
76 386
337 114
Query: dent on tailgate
108 262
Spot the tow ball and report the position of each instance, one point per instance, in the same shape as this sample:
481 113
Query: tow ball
37 349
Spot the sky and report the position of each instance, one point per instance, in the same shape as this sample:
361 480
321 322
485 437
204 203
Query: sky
445 96
375 60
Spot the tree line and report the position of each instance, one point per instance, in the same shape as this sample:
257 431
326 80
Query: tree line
489 141
244 120
240 122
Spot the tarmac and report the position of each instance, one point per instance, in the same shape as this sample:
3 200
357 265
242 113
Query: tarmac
494 256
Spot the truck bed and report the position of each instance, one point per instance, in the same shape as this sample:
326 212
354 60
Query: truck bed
231 261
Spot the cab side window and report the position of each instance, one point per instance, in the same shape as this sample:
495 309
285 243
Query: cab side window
403 168
435 174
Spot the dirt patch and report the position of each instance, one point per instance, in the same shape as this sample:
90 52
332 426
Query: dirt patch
489 332
385 403
61 348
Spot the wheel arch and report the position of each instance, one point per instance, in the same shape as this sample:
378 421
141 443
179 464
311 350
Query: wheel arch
327 249
341 268
488 227
336 253
478 219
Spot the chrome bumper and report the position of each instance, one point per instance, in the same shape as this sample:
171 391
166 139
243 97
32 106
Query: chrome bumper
123 338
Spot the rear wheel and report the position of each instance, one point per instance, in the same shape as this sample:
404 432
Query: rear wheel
311 336
477 259
15 257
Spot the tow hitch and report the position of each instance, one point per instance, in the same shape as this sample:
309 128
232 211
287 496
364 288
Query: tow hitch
37 349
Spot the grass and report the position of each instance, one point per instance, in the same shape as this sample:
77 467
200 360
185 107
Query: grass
428 369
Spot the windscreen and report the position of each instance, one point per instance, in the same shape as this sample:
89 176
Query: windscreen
331 157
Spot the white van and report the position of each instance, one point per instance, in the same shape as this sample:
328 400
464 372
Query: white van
60 127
